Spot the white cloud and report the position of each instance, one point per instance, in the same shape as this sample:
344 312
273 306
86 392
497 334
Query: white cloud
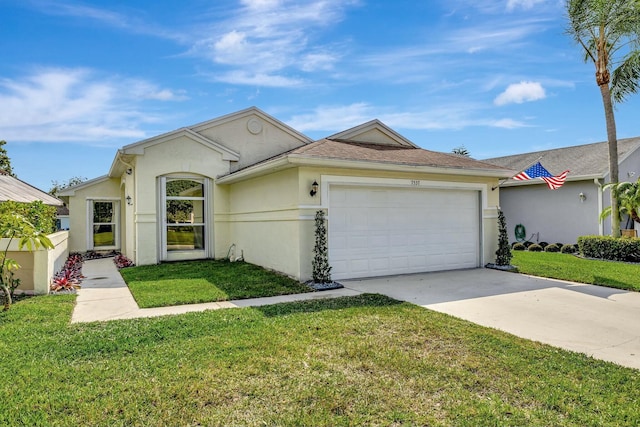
521 92
272 38
335 118
524 4
74 105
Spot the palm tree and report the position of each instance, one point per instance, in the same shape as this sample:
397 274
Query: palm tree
628 195
609 33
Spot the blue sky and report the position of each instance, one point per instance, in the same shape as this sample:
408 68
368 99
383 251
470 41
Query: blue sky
80 79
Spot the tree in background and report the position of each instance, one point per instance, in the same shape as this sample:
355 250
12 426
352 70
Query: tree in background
57 187
609 33
5 161
462 151
503 254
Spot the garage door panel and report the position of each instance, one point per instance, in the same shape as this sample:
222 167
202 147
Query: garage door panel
382 231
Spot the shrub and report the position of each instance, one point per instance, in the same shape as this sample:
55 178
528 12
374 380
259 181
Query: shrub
41 216
527 244
503 254
611 248
122 261
535 248
568 249
559 244
519 247
552 248
544 244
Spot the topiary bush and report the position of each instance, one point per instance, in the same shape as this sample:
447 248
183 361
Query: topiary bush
535 248
527 244
544 244
518 247
552 248
568 249
610 248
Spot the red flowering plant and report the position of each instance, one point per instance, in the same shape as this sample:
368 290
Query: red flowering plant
122 261
70 275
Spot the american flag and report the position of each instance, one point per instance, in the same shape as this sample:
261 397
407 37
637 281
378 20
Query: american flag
537 171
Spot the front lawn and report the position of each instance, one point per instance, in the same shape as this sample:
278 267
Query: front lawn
205 281
569 267
365 360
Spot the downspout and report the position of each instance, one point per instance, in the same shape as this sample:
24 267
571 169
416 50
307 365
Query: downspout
597 182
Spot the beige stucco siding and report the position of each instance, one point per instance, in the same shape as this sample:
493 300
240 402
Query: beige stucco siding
267 141
182 157
108 189
264 221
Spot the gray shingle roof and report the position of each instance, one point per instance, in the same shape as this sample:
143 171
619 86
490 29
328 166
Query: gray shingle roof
581 160
19 191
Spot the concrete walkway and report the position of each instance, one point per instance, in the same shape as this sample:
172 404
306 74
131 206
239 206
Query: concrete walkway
105 296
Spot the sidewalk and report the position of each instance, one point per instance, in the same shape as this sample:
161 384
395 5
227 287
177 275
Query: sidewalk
105 296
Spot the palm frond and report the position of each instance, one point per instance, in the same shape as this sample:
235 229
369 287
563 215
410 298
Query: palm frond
626 77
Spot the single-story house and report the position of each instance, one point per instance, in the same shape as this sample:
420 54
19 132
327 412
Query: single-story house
14 189
37 266
248 183
574 209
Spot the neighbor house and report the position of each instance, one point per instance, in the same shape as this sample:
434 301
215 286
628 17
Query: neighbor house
247 184
574 209
38 266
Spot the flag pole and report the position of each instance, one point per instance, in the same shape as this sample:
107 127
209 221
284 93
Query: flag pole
524 169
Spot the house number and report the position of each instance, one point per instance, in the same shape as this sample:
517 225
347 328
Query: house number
415 182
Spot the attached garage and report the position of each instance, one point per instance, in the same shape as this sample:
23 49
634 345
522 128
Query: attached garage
382 230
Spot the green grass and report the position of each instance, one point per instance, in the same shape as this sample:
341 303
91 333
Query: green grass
365 360
569 267
205 281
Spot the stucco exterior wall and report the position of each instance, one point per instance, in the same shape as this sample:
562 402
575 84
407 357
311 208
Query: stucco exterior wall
253 136
552 215
38 267
264 221
182 157
105 190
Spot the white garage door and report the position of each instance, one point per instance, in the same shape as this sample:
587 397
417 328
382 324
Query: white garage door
384 231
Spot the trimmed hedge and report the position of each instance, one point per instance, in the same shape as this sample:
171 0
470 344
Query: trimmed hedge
535 248
519 247
552 248
610 248
568 249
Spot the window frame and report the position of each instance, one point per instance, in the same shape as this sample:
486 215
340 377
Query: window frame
90 224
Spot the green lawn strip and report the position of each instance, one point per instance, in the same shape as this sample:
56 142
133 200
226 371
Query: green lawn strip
365 360
205 281
569 267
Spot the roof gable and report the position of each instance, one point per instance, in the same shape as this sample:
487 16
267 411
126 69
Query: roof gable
139 147
374 132
246 113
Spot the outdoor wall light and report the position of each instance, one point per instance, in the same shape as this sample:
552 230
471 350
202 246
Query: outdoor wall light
129 200
129 171
314 188
582 197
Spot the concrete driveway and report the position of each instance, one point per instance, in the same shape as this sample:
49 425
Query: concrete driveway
601 322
